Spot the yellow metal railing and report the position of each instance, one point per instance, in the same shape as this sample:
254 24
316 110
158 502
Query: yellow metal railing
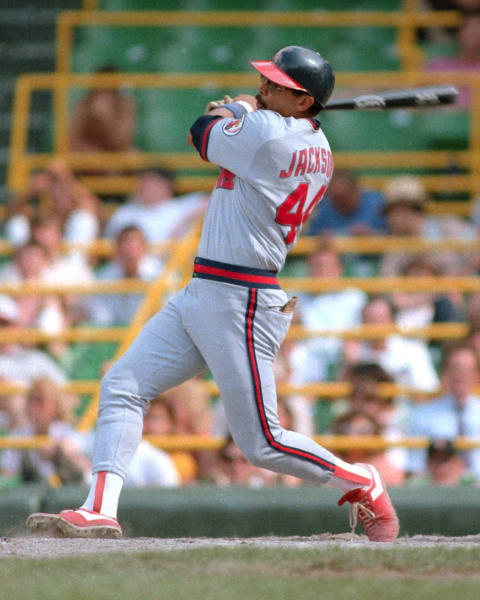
21 163
120 286
435 331
327 390
204 442
406 23
306 245
408 5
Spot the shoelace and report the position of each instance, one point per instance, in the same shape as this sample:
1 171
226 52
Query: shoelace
355 509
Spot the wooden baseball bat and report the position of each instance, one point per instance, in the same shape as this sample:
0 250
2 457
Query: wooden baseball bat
406 98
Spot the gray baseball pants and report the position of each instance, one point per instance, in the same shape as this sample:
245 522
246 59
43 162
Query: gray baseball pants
233 327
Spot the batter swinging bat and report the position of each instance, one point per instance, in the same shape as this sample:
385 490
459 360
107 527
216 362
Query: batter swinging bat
407 98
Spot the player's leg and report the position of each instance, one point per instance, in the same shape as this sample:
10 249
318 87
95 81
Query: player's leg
240 345
239 331
161 356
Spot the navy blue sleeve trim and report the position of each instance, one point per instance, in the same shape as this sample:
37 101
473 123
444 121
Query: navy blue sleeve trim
200 131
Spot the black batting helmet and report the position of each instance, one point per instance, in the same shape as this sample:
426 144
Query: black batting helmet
299 68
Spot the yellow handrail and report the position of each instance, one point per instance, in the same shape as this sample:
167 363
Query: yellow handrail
72 335
194 443
434 331
119 286
327 390
20 163
371 285
381 285
305 245
405 22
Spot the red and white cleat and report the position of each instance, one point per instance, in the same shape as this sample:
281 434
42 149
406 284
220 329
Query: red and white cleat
79 523
374 509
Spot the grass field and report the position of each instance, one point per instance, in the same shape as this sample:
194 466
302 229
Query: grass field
249 573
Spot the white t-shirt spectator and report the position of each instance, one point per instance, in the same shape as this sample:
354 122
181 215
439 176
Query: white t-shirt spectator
407 361
159 222
152 467
23 365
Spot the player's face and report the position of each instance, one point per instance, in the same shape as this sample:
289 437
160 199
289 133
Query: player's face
278 98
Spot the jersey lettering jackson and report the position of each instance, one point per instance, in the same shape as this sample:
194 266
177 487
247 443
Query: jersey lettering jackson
274 172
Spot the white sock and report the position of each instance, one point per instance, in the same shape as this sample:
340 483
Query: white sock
348 477
104 493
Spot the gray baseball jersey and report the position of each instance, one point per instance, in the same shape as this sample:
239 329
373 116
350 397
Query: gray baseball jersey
230 317
274 172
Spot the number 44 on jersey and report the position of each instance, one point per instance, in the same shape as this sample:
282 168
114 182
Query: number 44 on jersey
292 212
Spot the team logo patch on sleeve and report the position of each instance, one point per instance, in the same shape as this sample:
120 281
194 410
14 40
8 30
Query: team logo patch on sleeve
233 127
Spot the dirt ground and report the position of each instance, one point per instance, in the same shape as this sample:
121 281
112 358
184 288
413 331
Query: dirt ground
55 547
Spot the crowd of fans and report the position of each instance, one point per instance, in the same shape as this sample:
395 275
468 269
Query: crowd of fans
51 224
447 374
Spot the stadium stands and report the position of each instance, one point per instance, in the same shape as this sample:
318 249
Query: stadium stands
164 114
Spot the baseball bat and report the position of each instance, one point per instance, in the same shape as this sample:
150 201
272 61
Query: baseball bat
406 98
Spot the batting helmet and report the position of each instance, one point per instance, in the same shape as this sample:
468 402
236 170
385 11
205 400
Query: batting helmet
301 69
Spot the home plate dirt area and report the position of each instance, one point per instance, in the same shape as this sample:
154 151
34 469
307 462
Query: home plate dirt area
29 546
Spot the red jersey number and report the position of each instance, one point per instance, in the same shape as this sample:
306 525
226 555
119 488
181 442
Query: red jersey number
291 211
226 180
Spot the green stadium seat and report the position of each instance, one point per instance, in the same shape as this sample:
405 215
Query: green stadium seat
396 130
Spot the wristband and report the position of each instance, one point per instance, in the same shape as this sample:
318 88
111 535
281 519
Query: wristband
238 108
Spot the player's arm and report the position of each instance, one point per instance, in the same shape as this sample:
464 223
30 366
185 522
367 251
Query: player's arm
215 111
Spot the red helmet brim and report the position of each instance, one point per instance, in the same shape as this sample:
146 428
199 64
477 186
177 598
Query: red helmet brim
270 70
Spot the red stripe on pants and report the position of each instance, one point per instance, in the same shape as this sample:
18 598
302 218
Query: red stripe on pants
258 394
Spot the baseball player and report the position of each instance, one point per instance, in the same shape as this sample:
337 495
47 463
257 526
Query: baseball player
275 165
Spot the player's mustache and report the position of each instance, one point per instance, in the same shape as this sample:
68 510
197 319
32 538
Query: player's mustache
260 102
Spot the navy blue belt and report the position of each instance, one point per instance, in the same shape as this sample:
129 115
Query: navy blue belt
244 276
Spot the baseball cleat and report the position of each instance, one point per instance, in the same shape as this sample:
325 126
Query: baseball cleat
79 523
373 508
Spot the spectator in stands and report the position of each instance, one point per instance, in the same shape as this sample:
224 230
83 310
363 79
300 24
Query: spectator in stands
365 379
63 461
455 413
407 360
473 311
334 311
446 466
131 260
232 468
348 209
104 120
12 408
55 190
405 211
77 209
69 268
30 265
422 308
18 364
64 269
467 59
151 466
390 412
22 206
359 423
154 209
